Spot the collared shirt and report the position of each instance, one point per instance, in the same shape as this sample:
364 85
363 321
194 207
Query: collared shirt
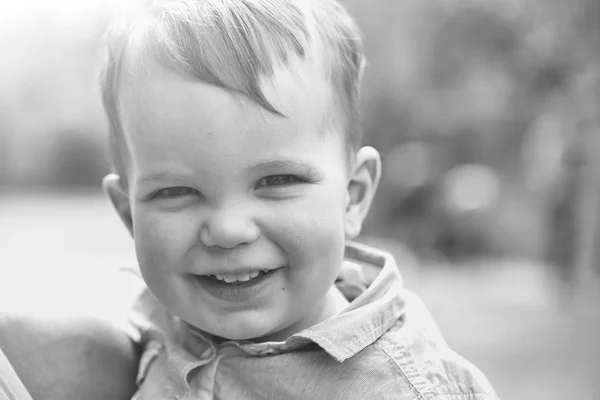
383 345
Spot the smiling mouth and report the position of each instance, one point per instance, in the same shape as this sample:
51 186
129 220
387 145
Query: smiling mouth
238 279
237 288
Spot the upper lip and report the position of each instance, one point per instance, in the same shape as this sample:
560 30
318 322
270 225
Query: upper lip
239 271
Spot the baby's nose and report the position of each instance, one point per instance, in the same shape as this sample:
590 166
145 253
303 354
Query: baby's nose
228 228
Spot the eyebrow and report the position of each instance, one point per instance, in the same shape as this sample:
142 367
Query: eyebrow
157 176
283 163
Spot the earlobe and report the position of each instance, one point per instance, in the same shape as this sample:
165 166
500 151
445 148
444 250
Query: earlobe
111 185
362 186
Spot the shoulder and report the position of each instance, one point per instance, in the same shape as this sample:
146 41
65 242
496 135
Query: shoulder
416 350
69 357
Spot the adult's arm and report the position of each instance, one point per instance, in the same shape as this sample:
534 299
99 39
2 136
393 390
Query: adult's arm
70 358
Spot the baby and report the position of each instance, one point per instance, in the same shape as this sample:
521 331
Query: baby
239 171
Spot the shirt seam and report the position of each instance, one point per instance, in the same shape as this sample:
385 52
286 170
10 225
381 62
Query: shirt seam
428 395
420 395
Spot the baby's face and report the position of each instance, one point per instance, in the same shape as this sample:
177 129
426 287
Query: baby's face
238 214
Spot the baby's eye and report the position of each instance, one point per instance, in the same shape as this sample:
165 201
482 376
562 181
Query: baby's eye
173 192
278 180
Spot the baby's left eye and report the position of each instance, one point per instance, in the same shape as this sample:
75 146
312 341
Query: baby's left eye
173 192
278 180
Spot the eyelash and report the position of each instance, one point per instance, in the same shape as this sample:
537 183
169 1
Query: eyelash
290 180
168 192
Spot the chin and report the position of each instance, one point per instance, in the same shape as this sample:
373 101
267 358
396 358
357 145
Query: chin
235 336
246 332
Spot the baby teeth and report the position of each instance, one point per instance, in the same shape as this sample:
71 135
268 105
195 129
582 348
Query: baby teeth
242 277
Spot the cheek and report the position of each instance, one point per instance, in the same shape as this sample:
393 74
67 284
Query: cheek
315 260
312 236
162 239
317 215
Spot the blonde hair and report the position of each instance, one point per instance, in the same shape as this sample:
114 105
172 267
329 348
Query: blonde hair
234 44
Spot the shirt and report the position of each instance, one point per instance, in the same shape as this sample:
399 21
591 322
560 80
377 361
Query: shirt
383 345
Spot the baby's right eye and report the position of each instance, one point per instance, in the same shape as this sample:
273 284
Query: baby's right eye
173 192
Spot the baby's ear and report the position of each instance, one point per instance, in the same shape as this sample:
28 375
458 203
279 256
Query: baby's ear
362 185
113 189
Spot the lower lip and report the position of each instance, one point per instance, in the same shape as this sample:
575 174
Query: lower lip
238 292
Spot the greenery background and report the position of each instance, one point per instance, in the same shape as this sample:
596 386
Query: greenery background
487 116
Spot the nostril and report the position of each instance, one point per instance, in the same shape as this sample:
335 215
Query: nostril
228 233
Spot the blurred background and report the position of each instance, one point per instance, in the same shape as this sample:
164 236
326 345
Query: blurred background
487 114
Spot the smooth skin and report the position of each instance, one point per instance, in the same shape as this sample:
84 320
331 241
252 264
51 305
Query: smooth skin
70 358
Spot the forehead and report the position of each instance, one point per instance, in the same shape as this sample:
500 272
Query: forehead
159 105
288 88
